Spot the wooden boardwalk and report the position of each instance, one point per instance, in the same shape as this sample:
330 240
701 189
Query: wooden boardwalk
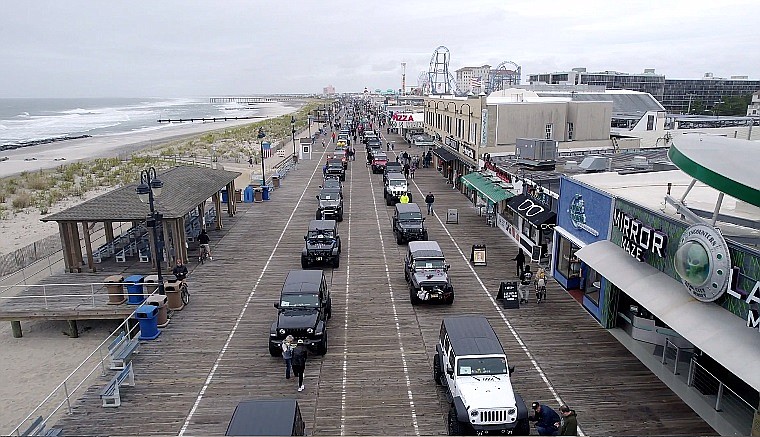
376 377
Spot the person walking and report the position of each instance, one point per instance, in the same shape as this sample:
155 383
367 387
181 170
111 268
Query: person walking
547 420
412 169
298 362
569 422
526 280
520 258
429 199
406 170
287 354
250 161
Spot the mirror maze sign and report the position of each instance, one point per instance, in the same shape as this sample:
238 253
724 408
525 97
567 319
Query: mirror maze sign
639 239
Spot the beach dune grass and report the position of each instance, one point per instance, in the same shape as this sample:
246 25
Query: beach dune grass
45 188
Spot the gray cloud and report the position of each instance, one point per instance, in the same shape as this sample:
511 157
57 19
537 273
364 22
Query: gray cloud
194 48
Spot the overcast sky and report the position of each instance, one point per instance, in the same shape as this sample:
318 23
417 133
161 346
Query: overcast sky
185 48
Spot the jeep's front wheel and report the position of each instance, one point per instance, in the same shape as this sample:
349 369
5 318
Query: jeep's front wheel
425 236
437 373
322 348
399 239
336 262
455 427
340 216
304 262
274 350
413 296
522 427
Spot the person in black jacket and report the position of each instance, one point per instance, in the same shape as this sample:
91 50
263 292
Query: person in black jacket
298 362
520 258
546 419
429 199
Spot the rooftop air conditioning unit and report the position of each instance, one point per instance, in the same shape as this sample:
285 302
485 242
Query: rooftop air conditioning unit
571 165
593 164
640 162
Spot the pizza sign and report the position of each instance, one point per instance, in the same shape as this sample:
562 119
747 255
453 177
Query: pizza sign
403 117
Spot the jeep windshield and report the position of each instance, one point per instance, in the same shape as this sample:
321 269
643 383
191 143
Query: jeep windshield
482 366
329 196
299 301
410 216
317 236
429 264
397 183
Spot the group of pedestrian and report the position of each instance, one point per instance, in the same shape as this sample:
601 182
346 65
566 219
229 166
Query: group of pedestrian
295 354
548 422
527 276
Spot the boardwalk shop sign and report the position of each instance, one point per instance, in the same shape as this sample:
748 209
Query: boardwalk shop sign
451 142
406 121
703 262
753 315
639 239
529 208
466 151
577 214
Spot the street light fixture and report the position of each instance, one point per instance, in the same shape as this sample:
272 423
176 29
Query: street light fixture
261 136
150 187
293 136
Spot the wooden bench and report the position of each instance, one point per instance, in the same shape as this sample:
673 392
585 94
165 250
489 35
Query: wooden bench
110 394
144 252
121 350
121 256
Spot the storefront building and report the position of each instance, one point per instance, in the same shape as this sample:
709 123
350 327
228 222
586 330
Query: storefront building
530 223
686 289
584 215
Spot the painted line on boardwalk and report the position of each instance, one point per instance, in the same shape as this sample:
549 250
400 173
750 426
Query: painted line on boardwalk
409 393
512 330
343 389
242 312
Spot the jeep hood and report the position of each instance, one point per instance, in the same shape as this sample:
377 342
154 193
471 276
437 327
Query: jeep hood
410 226
297 318
329 203
490 392
314 245
431 277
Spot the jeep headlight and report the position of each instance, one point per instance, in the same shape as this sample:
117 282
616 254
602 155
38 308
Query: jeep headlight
474 413
511 411
282 332
309 330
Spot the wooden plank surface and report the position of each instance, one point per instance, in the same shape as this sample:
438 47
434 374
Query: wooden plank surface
376 377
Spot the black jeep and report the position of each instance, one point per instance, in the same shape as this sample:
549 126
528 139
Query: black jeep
408 223
322 244
334 167
302 311
330 205
332 184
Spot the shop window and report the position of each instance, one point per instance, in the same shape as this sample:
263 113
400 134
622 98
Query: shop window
549 131
570 131
593 286
568 264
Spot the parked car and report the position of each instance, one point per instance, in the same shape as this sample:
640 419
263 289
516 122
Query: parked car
303 311
426 271
395 185
408 223
322 244
335 168
379 160
471 365
330 205
267 417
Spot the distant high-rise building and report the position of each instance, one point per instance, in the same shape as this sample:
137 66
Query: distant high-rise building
676 95
329 90
754 108
473 79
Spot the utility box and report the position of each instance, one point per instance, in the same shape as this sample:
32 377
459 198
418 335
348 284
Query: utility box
535 152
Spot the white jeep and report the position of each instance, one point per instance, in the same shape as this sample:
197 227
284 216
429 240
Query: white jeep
471 365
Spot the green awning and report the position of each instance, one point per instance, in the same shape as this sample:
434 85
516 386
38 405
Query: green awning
485 187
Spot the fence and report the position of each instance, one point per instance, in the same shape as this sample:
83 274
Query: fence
24 257
738 410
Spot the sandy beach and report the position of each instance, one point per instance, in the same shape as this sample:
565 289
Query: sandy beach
32 366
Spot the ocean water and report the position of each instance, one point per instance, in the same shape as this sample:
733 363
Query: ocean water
27 120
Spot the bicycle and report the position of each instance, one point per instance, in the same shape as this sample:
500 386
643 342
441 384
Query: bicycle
204 253
540 285
184 293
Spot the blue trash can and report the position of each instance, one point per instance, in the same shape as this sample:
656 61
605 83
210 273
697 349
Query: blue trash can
224 196
265 193
135 294
248 194
147 316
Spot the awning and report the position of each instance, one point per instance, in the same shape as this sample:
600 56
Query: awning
488 189
444 154
532 210
713 329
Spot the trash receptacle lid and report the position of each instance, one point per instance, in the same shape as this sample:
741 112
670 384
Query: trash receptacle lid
115 278
134 278
156 299
146 311
151 278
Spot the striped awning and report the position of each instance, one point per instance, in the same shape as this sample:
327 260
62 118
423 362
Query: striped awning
485 187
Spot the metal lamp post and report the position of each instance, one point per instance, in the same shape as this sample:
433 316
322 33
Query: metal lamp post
149 188
293 136
261 136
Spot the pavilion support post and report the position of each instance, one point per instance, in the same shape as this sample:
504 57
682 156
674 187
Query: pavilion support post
234 202
77 246
153 250
182 237
73 329
16 327
218 206
230 199
88 247
108 227
202 215
72 235
168 253
62 232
